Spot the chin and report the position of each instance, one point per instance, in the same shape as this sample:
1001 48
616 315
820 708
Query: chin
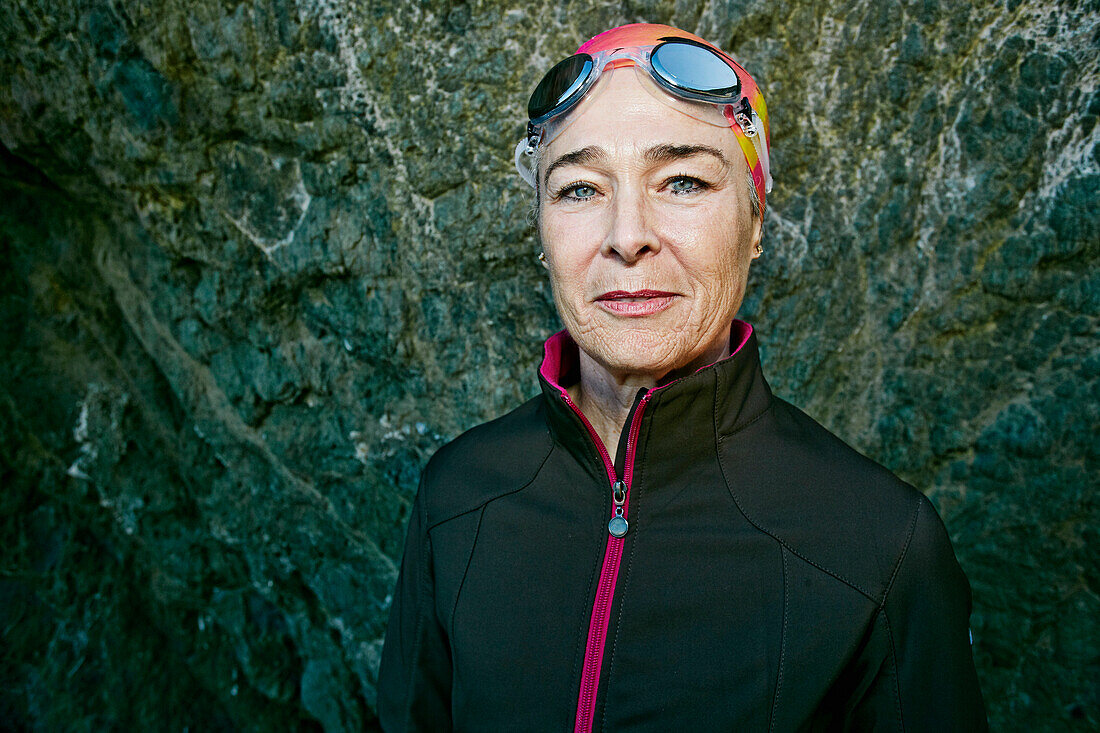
637 351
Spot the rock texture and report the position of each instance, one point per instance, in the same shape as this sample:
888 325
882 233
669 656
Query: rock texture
260 259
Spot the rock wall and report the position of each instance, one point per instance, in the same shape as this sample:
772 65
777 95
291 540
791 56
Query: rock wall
260 259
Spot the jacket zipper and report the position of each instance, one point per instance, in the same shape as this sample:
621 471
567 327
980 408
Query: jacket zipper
617 528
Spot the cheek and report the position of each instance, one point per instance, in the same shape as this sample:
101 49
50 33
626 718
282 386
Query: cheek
720 253
568 245
566 266
553 232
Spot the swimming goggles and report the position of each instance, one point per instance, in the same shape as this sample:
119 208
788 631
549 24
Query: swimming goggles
704 84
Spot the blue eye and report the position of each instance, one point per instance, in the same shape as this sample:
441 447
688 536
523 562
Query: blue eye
577 191
685 184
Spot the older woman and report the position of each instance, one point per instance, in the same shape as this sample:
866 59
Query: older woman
656 541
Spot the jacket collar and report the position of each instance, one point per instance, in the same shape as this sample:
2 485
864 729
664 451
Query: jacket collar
681 417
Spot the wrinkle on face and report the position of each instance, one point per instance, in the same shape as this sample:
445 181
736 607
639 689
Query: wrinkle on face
633 231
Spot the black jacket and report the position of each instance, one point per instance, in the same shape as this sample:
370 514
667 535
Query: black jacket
771 578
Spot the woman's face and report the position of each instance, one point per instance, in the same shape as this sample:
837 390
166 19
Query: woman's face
646 221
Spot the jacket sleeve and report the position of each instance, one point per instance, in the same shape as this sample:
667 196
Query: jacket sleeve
414 680
919 668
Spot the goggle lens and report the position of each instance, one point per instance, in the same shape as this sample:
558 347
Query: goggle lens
559 85
696 69
681 65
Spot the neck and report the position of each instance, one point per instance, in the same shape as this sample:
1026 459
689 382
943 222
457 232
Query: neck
605 396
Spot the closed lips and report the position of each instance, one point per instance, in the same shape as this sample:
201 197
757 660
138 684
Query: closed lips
635 295
636 303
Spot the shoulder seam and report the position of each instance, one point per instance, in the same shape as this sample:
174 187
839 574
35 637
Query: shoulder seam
482 501
466 570
781 541
904 552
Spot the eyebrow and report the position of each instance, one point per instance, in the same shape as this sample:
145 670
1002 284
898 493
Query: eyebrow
657 154
666 153
583 156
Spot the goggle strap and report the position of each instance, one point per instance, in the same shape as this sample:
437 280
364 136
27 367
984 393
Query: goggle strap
752 146
762 152
522 157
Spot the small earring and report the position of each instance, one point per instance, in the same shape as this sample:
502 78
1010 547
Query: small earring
542 259
758 249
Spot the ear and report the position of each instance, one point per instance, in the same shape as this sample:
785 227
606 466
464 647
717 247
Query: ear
757 236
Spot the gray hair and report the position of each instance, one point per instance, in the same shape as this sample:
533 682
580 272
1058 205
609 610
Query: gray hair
754 199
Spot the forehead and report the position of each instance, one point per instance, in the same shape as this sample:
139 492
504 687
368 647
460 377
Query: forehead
625 114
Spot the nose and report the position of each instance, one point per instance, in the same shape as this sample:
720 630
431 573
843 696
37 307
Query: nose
630 235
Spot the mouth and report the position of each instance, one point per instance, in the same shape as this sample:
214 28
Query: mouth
635 303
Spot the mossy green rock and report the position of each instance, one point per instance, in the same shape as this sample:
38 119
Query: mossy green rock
260 259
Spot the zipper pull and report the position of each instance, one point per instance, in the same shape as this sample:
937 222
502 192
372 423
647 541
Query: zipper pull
618 526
